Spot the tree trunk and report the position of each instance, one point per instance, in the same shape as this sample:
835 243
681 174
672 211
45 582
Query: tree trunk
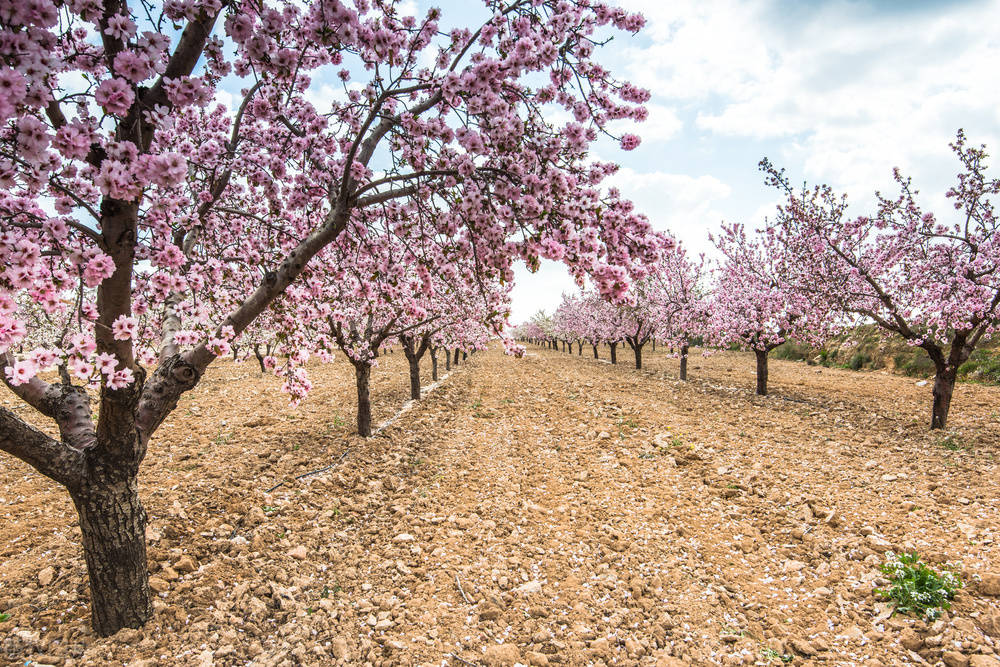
654 344
944 387
456 356
113 526
362 376
447 359
414 377
638 356
579 351
595 352
761 372
260 359
684 362
434 364
614 352
465 355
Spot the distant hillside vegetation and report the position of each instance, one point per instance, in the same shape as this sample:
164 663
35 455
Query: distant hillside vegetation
866 348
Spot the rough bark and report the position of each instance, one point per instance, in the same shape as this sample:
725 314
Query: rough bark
113 527
414 349
684 362
434 364
944 387
614 352
455 361
260 358
362 377
447 359
595 352
414 377
636 344
761 372
579 351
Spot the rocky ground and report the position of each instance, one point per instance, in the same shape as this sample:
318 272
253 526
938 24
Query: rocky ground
548 510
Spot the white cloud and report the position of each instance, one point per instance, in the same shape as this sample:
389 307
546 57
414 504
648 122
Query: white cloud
687 206
850 91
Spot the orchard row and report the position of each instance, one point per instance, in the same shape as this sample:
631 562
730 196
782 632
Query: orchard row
334 176
814 271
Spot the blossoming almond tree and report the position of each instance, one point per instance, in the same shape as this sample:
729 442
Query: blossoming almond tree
754 304
680 297
155 226
935 283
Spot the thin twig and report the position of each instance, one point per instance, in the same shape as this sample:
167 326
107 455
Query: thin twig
458 582
463 660
313 472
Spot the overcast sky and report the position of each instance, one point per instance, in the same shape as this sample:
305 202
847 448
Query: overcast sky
836 92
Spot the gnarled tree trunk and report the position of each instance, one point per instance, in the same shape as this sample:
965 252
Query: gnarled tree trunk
614 352
944 387
362 377
761 372
684 362
434 364
260 358
414 378
595 352
113 527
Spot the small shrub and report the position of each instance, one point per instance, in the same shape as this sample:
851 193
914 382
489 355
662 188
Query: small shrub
859 361
915 588
915 364
982 366
4 617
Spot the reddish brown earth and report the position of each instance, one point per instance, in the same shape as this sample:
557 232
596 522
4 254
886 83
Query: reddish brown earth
548 510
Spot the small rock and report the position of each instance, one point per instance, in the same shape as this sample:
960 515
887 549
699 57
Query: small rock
158 585
802 647
490 613
793 566
983 661
186 565
499 655
533 586
990 584
46 576
910 640
298 553
955 659
403 537
339 648
536 659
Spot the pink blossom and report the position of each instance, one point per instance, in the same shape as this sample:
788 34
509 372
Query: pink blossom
21 372
124 327
106 363
120 379
115 96
99 269
79 368
630 142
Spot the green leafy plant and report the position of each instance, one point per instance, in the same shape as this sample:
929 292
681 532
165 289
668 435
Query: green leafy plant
770 654
4 617
915 588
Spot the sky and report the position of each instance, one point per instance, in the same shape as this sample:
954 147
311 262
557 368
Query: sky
835 92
